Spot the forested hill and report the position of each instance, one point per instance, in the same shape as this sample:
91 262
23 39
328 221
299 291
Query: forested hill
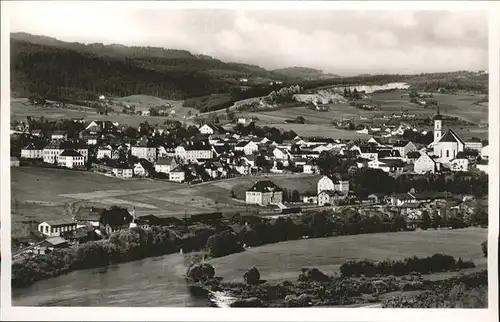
55 69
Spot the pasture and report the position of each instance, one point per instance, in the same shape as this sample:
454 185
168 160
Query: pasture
283 261
39 194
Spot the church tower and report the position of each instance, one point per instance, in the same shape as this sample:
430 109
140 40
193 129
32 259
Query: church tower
438 126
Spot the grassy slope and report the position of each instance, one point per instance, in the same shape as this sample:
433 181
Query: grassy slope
285 260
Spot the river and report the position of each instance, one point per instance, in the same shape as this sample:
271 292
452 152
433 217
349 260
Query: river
157 281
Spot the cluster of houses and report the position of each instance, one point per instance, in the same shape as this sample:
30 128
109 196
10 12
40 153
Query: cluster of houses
219 153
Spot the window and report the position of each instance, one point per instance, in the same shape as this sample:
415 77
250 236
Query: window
447 153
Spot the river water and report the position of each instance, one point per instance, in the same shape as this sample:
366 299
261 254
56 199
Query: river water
155 281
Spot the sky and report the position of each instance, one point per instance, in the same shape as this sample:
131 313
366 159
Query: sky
344 42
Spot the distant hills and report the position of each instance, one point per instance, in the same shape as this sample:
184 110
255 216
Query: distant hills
59 70
305 73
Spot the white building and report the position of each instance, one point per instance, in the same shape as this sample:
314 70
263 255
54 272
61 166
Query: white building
123 172
281 154
139 170
425 164
31 152
459 164
71 159
206 129
144 150
194 151
104 152
387 165
248 147
177 175
264 193
59 135
56 227
335 182
165 165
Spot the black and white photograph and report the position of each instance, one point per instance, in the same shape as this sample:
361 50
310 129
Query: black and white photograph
225 157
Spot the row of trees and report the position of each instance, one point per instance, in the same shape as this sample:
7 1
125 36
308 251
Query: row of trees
426 265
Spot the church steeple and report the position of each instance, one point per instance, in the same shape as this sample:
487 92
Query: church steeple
437 126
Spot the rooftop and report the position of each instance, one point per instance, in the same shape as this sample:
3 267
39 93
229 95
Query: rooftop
264 186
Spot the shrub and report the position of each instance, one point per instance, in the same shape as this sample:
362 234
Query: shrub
252 276
200 272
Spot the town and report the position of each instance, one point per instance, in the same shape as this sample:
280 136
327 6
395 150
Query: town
210 152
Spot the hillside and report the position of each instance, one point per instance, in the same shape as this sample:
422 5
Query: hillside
304 73
52 68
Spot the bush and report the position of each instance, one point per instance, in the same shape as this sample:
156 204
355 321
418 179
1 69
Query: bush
252 276
200 272
313 274
434 263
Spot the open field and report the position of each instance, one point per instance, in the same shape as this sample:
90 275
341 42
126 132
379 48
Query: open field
285 260
39 194
319 122
20 109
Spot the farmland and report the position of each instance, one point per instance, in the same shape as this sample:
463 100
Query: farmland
40 194
318 123
285 260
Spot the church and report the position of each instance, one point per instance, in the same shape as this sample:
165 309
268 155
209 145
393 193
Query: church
447 146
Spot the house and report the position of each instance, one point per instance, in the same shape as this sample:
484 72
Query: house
56 227
104 152
167 149
14 162
165 165
206 129
459 164
177 175
281 154
248 147
389 154
101 127
242 120
264 193
104 220
140 169
59 135
329 197
387 165
31 151
335 182
194 150
368 152
144 149
52 151
404 147
425 164
49 244
310 168
70 159
401 198
123 172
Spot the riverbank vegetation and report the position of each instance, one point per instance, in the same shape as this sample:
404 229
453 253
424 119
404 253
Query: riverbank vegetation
314 288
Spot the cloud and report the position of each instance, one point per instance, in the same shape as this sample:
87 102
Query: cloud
344 42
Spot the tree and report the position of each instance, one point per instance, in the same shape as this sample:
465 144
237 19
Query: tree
223 244
295 196
426 220
436 223
484 247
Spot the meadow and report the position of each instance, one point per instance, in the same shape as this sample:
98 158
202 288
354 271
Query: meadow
284 261
39 194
